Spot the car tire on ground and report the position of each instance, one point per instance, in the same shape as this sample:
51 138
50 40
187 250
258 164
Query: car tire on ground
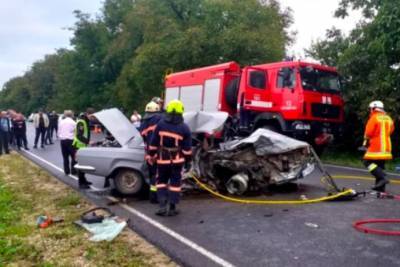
128 182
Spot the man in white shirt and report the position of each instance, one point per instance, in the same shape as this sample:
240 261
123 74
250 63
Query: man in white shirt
66 132
135 119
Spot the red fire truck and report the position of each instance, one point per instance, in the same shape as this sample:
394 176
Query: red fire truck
296 98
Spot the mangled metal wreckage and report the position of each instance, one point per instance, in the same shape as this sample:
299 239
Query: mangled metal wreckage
250 164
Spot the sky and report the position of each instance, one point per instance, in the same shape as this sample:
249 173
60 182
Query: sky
30 29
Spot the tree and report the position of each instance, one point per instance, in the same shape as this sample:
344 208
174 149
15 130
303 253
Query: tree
369 58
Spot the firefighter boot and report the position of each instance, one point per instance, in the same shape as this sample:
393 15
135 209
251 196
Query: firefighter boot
172 211
381 180
163 211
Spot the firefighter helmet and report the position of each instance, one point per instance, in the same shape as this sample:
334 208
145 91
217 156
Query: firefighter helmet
376 104
152 107
175 106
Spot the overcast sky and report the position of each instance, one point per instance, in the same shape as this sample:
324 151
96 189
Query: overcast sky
30 29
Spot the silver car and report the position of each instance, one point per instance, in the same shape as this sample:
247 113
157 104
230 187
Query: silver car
125 163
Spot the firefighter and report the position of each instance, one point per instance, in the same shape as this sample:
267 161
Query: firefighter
377 141
171 147
147 127
81 140
160 102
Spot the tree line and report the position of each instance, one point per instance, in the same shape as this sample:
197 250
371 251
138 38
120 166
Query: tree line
120 57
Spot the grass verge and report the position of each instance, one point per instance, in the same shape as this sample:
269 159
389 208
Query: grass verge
352 159
26 192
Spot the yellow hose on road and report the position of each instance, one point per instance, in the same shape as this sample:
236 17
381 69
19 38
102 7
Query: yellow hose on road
271 202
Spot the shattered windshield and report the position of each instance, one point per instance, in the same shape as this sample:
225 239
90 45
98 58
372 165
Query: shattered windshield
319 80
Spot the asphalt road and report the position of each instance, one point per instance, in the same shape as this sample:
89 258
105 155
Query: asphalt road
212 232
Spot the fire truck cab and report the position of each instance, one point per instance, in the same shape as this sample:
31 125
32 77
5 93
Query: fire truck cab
296 98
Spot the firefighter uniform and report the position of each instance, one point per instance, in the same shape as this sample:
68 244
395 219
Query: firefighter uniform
377 138
171 146
147 127
81 140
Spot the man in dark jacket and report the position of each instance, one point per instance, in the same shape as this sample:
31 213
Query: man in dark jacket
53 124
5 130
147 127
171 147
19 127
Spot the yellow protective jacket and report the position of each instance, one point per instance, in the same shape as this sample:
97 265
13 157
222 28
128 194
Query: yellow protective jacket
377 133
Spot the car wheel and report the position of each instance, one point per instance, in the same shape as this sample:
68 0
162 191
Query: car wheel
128 182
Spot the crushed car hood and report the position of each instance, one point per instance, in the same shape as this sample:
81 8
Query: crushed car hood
120 127
266 142
205 122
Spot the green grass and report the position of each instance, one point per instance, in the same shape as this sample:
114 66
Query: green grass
27 192
12 248
352 159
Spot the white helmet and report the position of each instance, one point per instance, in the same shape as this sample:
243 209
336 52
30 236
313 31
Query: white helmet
376 104
152 107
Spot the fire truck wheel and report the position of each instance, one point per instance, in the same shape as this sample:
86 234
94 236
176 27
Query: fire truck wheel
231 93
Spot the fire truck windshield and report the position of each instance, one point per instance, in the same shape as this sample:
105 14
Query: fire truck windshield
319 80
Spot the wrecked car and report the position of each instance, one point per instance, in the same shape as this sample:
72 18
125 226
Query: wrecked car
253 163
248 164
237 167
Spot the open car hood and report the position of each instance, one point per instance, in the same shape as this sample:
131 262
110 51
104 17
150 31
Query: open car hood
119 126
205 122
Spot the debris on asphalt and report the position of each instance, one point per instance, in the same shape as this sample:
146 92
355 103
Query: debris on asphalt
285 210
311 225
303 197
201 222
268 215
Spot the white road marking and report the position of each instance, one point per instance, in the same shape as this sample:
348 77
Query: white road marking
357 169
211 256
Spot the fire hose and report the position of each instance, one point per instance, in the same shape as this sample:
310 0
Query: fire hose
360 226
347 192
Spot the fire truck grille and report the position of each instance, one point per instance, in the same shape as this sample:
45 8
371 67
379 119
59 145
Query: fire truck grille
325 111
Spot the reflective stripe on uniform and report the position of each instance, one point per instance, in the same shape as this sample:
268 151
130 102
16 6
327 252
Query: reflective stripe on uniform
168 161
378 155
372 167
174 188
187 152
159 186
153 148
171 135
148 129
